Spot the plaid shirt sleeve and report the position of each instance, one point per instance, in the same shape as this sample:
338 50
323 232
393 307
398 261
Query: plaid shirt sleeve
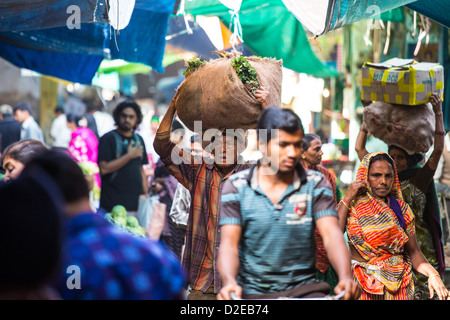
182 165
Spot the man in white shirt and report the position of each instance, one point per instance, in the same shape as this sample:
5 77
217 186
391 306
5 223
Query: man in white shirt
105 122
30 128
59 130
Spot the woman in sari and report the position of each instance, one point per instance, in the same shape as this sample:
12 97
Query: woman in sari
418 190
381 234
311 160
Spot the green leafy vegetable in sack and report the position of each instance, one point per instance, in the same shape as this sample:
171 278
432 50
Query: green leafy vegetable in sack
246 73
192 65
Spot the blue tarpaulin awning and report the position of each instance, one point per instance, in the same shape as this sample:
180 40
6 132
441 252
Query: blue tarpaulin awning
22 15
437 10
37 31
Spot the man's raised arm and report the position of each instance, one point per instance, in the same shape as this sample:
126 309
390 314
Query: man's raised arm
162 143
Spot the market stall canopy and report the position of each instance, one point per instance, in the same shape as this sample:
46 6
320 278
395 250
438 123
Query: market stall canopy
41 35
269 30
437 10
322 16
195 40
25 15
123 67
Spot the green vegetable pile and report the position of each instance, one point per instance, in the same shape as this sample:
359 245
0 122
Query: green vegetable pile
246 73
192 65
118 216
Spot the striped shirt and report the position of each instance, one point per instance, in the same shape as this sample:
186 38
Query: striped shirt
203 179
277 249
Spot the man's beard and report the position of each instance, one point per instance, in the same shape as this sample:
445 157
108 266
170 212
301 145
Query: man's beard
124 128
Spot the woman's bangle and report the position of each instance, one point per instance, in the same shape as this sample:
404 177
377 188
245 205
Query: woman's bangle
364 130
442 133
434 275
346 204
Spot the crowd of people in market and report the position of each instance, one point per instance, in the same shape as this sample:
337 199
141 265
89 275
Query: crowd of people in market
277 227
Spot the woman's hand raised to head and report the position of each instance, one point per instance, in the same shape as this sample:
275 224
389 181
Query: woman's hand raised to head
357 187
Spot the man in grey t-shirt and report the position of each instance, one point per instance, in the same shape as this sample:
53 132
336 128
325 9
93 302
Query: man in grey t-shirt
268 216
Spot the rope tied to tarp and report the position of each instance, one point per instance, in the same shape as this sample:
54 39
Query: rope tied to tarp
315 42
423 33
235 26
182 11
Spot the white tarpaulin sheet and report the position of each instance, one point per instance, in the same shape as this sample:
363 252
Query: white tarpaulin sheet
321 16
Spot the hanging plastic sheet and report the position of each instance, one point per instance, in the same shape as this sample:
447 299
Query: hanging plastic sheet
162 6
321 16
21 15
135 43
196 41
73 67
142 41
119 13
437 10
269 30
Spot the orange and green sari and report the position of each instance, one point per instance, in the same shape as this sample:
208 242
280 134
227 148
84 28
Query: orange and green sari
379 232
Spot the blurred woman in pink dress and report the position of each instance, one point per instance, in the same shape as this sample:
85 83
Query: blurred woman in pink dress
83 147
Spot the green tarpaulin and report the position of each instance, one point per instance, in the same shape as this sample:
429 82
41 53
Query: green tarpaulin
123 67
269 30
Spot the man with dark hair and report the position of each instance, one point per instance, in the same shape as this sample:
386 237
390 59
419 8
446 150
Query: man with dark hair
121 155
110 263
17 156
9 127
268 215
30 128
179 210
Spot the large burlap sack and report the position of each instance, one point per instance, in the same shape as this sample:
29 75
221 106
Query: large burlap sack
214 94
410 128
